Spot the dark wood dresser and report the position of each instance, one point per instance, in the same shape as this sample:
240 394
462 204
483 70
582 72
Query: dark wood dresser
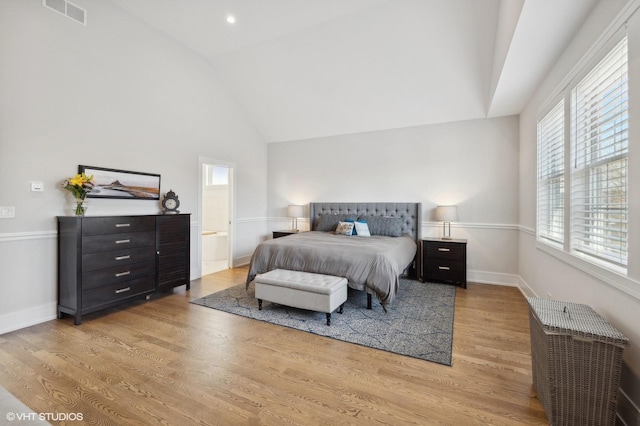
444 261
107 260
278 234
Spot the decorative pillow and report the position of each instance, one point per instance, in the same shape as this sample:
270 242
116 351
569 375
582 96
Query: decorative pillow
344 228
382 225
361 228
354 229
328 222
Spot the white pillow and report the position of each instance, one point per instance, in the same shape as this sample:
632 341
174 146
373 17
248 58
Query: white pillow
362 229
344 228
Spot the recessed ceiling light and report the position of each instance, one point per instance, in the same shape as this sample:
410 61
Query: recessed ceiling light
231 19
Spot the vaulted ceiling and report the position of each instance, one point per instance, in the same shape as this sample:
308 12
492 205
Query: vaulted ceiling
312 68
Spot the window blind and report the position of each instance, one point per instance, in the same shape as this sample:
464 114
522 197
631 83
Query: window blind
550 218
599 211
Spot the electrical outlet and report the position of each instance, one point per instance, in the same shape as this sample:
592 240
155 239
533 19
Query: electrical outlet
7 212
37 186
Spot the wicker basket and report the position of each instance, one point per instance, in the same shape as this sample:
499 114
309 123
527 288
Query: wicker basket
576 358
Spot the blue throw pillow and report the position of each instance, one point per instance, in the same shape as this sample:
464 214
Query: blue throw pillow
362 228
356 220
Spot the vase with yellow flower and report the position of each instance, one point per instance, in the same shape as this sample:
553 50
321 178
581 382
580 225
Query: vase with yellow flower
79 185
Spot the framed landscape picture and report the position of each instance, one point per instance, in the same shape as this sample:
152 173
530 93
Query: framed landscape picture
113 183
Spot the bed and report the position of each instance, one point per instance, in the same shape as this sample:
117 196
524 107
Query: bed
373 264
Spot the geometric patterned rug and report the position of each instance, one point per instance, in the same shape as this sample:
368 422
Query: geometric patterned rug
418 323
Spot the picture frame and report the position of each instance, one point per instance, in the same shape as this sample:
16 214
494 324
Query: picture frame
122 184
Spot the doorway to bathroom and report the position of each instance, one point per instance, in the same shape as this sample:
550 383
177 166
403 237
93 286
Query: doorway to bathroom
216 215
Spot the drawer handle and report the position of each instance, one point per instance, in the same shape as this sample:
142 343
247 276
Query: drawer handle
123 257
122 274
444 268
122 225
443 249
122 241
123 290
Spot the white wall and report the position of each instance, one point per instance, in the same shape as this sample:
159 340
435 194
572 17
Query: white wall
473 164
115 94
562 277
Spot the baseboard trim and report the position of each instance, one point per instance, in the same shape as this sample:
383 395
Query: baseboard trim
241 261
495 278
27 317
627 411
525 289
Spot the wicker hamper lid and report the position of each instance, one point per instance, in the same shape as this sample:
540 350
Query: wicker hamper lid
573 319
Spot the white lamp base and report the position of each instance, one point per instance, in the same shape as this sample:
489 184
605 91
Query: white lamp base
446 226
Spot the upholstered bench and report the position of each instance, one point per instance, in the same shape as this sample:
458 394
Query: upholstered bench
304 290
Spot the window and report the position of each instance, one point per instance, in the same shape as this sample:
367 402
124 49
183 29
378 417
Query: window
215 175
551 175
598 123
599 156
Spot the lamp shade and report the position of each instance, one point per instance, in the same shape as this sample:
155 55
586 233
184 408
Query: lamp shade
295 211
447 213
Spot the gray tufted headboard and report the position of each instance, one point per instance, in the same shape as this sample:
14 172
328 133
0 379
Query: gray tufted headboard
411 214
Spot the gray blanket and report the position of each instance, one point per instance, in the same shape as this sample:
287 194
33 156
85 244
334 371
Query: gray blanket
371 263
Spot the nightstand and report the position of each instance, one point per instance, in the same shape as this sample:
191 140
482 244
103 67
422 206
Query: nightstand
444 261
278 234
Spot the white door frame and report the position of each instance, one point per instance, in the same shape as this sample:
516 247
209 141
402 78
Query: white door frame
232 203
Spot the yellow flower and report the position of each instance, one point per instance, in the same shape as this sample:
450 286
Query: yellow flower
77 180
79 185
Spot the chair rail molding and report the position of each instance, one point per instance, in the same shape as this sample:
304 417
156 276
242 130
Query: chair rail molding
33 235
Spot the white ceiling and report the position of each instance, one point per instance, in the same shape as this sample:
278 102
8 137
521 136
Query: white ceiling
311 68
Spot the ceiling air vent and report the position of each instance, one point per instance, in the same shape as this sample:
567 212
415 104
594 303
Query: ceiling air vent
67 9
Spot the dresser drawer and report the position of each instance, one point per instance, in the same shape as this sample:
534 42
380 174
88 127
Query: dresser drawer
117 291
108 242
444 250
117 225
117 274
115 258
444 269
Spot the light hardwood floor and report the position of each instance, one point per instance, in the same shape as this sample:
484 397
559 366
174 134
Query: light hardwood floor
166 361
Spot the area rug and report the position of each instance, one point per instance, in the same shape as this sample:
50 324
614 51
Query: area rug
418 323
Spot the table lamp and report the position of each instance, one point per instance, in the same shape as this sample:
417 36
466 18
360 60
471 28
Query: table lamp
295 212
446 215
